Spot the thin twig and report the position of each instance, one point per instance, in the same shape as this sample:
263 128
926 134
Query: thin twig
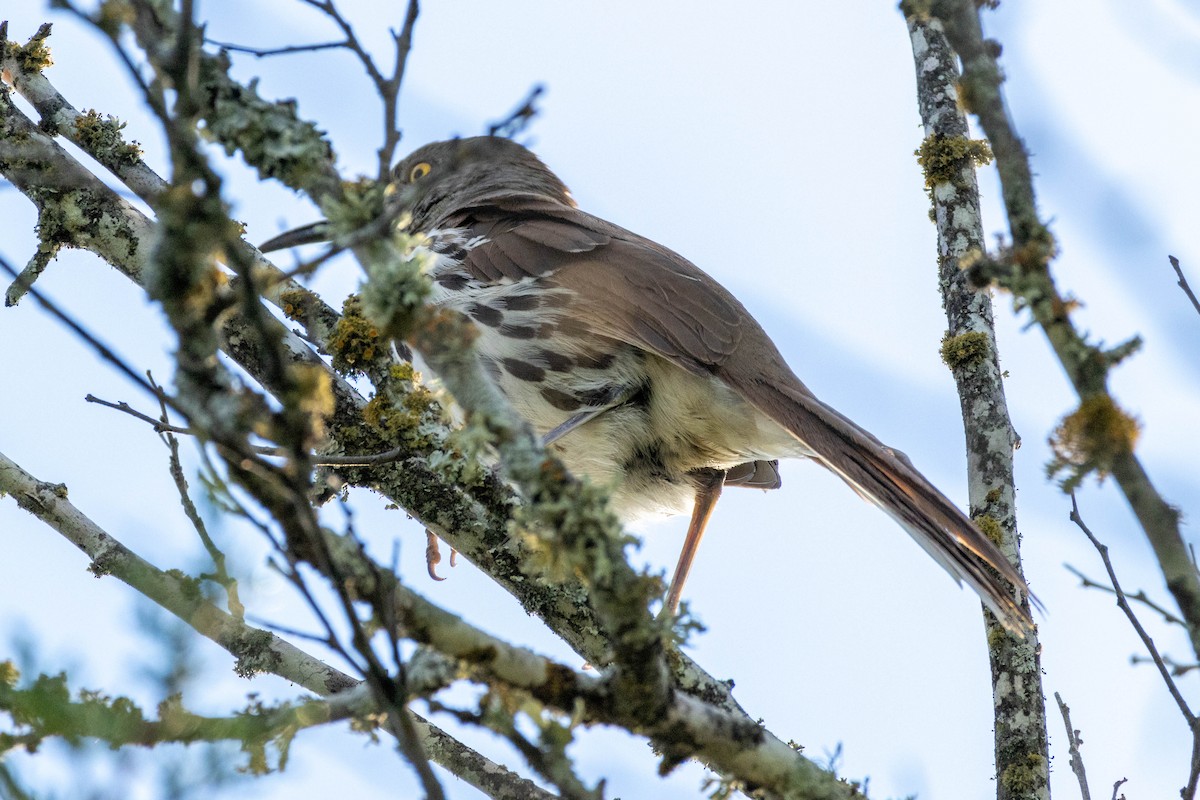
391 99
1189 791
1177 669
1074 740
388 88
221 576
102 349
369 460
158 425
275 51
1117 786
516 122
1140 596
161 427
1123 604
1183 284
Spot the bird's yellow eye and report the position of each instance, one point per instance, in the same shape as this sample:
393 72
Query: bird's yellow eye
419 171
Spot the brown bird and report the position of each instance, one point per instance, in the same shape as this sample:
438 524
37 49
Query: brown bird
640 371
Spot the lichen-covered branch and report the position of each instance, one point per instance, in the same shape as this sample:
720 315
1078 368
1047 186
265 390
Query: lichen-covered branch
256 650
692 715
1024 270
969 349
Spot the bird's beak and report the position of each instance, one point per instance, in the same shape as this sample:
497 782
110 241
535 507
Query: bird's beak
308 234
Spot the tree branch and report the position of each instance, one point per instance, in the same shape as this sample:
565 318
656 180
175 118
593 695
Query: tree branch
969 349
1025 272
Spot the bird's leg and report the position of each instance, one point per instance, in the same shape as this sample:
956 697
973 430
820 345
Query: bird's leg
708 488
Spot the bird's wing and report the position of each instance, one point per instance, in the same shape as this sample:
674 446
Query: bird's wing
635 291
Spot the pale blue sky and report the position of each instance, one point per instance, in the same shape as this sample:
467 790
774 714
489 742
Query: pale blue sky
772 145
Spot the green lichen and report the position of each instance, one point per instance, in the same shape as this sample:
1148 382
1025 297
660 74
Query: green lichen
397 282
996 637
361 202
1091 439
355 340
1025 779
34 55
191 588
965 350
269 136
943 158
990 528
295 303
254 654
100 135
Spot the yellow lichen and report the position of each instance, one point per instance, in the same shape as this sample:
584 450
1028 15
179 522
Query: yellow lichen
944 157
1091 439
990 528
314 395
1025 779
101 136
294 302
34 55
996 636
355 339
964 350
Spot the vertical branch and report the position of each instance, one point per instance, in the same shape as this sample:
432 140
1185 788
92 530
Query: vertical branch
969 349
1026 273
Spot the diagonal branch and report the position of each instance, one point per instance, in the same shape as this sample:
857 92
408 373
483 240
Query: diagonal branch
1189 716
256 650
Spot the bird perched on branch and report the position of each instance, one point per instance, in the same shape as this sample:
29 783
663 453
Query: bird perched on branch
640 371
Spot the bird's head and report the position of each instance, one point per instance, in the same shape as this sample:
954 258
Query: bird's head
442 178
459 173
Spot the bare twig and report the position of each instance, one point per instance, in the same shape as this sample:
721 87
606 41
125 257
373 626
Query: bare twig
1074 740
1177 669
388 88
1140 596
1117 786
158 425
162 427
516 122
221 575
103 350
1189 791
1183 284
276 51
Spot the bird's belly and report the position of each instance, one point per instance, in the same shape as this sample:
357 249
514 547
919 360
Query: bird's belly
662 422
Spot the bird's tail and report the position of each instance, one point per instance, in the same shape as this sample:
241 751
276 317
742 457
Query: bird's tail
886 478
